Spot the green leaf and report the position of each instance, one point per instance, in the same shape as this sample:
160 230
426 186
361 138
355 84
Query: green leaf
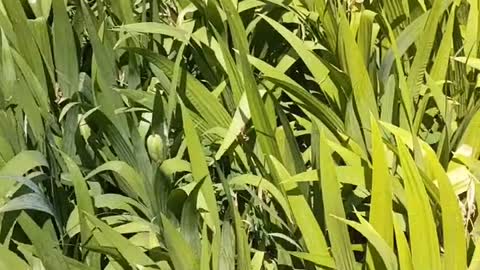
65 50
155 28
240 119
469 145
472 30
301 211
364 36
240 182
45 247
41 8
318 259
199 167
289 148
381 201
440 67
34 85
40 29
404 253
132 181
319 70
363 92
206 252
117 201
241 239
333 205
234 76
455 247
30 201
23 162
469 61
197 94
422 229
417 70
124 9
25 44
106 74
257 260
404 40
180 252
300 95
106 237
18 166
8 73
263 128
200 173
81 193
384 250
120 141
10 260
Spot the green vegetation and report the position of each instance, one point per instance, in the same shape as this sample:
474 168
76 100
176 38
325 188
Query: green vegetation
239 134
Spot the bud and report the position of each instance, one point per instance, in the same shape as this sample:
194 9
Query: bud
155 147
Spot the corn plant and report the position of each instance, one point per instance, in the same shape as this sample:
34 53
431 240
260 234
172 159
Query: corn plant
239 134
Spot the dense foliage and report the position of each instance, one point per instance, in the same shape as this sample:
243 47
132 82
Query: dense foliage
239 134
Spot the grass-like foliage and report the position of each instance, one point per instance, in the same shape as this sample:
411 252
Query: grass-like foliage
239 134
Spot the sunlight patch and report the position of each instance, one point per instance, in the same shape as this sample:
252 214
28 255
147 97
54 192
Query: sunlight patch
464 150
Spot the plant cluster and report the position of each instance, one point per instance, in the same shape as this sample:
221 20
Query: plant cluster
239 134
